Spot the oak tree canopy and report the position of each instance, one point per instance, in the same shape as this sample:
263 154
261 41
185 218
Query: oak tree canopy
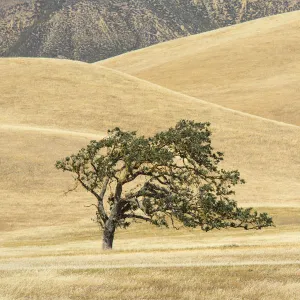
170 179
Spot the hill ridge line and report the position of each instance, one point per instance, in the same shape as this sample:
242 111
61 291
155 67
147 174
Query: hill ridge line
202 101
202 34
49 130
126 75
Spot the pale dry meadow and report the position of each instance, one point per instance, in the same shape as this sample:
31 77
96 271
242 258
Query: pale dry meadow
51 249
66 262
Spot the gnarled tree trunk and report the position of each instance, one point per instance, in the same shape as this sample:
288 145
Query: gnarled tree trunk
108 234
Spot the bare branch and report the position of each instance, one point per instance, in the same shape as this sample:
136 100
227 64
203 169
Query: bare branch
172 221
103 191
71 189
91 205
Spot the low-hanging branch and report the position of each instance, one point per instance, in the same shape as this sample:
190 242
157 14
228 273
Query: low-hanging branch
169 179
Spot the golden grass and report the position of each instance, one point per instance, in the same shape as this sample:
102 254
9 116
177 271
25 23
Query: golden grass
66 262
252 67
190 283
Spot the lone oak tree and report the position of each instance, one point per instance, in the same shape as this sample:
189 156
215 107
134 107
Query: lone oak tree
169 179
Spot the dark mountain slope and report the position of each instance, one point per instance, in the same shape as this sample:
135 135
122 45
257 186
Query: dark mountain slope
91 30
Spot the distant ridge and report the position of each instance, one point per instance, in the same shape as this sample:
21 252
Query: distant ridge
91 30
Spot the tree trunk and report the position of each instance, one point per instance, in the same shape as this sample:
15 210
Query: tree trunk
110 224
108 235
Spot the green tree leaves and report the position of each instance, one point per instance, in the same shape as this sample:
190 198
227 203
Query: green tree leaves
169 179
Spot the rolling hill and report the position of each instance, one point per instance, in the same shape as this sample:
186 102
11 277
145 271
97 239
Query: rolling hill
252 67
92 30
49 108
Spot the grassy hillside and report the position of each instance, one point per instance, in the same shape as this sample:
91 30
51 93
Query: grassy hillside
252 67
92 30
52 107
50 249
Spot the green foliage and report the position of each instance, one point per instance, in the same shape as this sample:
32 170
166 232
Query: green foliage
169 179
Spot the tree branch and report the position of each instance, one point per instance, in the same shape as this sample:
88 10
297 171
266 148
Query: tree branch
134 216
100 200
71 189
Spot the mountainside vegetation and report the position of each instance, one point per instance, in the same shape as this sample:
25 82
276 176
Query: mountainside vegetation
92 30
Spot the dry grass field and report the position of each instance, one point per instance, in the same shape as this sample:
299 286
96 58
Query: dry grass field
252 67
65 262
51 249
